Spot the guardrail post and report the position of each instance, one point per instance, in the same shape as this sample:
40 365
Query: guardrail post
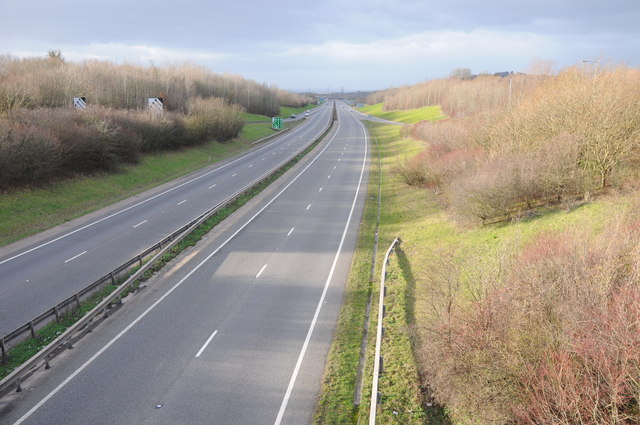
32 329
4 352
18 386
77 298
381 371
56 311
46 363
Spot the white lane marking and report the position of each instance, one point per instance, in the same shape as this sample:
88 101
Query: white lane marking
75 256
182 202
261 270
290 231
339 159
213 185
130 207
320 190
334 167
296 370
264 159
170 291
233 175
206 343
273 153
308 206
250 166
140 224
329 176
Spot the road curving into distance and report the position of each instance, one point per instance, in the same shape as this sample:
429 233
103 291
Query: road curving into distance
40 271
238 329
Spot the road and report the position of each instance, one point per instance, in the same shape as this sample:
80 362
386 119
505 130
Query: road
41 271
237 331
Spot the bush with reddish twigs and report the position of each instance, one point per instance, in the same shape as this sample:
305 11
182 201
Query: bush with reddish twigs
550 338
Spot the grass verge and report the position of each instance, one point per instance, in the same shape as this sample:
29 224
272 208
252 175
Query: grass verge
29 211
27 349
411 116
286 111
428 234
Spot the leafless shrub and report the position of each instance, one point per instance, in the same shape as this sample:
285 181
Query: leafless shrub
52 82
552 338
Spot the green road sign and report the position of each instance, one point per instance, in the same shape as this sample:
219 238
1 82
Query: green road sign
276 123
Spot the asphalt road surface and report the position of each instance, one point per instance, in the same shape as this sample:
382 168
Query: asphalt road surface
41 271
236 330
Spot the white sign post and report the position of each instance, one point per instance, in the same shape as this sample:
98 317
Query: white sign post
79 103
156 105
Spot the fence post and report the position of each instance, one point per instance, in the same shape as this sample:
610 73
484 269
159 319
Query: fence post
4 352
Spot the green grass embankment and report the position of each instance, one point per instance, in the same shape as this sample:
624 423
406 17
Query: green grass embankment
428 234
28 211
410 116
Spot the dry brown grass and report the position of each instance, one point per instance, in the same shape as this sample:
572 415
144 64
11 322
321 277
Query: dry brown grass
565 137
52 82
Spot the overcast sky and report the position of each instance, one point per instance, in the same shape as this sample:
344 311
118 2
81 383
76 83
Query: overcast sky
319 44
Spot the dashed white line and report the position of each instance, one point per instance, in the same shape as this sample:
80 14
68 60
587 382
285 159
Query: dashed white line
334 167
181 202
250 166
339 159
290 231
206 343
75 256
273 153
212 186
329 176
140 224
308 206
233 175
165 295
261 270
320 190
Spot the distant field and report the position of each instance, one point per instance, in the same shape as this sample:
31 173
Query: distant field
411 116
32 210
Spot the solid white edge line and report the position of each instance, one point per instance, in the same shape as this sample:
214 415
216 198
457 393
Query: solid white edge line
296 370
144 201
75 256
206 344
261 270
173 288
132 206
